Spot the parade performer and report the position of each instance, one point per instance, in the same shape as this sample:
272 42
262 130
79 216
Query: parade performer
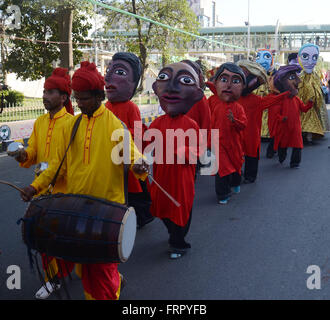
229 118
315 121
254 106
178 89
90 170
293 58
200 111
41 148
288 129
265 58
121 80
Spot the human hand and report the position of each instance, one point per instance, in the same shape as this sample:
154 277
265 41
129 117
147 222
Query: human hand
231 116
20 155
141 168
28 193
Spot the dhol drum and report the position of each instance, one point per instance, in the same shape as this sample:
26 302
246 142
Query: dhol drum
80 228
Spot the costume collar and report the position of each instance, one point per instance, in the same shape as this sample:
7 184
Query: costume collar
59 114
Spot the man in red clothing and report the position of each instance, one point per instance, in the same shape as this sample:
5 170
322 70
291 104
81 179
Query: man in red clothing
178 89
229 118
288 129
122 78
254 107
200 112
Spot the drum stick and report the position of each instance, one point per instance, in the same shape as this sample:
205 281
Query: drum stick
167 194
13 186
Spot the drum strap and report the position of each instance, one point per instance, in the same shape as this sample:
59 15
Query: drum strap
73 134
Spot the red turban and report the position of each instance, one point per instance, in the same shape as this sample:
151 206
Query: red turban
87 78
60 80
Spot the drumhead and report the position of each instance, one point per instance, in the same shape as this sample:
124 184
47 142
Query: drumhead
127 235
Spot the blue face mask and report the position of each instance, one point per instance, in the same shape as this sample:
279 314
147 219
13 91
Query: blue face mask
265 59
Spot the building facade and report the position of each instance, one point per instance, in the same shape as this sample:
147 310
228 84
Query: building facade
207 12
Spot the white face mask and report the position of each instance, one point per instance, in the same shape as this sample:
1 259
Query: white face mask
308 57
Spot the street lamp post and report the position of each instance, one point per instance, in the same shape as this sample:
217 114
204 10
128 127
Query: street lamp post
249 31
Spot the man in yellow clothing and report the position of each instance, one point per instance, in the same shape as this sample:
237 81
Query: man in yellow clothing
91 167
42 149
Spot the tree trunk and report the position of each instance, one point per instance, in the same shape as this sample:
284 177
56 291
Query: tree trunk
3 54
65 18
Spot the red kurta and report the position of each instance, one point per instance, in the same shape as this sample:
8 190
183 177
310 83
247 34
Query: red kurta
200 112
128 112
231 154
177 179
273 112
288 133
254 106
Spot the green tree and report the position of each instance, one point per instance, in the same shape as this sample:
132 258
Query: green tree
150 36
44 23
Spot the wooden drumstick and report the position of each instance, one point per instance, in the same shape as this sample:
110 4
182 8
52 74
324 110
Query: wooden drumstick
167 194
13 186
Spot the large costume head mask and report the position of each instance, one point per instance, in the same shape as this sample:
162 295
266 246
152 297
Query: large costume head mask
229 82
308 56
178 89
286 79
123 76
265 59
255 75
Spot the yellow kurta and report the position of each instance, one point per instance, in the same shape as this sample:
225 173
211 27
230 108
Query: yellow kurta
90 167
263 91
42 145
316 119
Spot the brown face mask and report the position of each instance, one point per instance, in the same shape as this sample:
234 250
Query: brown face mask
178 89
291 83
229 86
119 81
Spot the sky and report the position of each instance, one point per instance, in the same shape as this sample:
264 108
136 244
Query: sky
263 12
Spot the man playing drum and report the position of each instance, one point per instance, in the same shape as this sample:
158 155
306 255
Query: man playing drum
42 149
91 168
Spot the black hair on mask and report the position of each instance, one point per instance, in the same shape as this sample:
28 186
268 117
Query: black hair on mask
232 67
134 62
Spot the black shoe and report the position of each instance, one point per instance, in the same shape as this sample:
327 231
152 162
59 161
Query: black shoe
123 282
248 181
177 253
294 166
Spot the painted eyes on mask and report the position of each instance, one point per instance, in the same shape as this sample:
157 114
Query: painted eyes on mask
315 57
267 56
187 80
163 77
292 77
234 81
120 72
184 80
305 56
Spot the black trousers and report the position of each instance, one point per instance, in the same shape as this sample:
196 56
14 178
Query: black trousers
223 185
270 149
295 156
251 168
141 202
177 233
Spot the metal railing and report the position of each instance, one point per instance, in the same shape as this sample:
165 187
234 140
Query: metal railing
33 108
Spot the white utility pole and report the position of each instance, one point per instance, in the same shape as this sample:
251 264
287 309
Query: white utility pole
249 32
